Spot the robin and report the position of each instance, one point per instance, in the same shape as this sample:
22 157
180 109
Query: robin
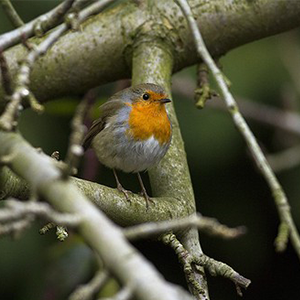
133 132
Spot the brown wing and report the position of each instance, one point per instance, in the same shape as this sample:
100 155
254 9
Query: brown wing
96 127
107 110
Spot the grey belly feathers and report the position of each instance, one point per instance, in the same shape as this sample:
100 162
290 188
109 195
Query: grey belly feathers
117 150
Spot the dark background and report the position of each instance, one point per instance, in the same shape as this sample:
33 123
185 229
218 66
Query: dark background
226 182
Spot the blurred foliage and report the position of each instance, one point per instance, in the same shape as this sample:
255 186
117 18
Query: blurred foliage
226 183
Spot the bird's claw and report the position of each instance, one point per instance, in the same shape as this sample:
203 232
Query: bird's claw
147 198
124 191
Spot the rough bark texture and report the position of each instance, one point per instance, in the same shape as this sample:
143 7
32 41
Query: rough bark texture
150 43
119 257
102 50
152 62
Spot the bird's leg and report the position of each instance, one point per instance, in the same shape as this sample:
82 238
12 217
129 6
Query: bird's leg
120 187
143 191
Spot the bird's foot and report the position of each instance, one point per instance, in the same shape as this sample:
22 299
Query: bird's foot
147 198
124 191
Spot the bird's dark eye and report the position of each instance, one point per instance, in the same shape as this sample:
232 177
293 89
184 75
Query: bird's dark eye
146 96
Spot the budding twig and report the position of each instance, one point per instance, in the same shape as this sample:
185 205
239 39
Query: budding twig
203 91
46 22
279 195
22 91
17 210
190 264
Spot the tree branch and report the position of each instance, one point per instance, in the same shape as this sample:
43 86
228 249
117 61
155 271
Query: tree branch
204 224
153 62
11 13
16 210
100 47
22 90
109 242
107 199
279 195
214 267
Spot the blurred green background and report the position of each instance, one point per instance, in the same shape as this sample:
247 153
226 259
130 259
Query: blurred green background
226 182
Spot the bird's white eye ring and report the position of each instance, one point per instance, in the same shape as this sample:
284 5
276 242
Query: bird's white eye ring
146 96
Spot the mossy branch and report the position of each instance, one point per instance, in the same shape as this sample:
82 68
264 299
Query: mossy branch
42 175
99 47
153 63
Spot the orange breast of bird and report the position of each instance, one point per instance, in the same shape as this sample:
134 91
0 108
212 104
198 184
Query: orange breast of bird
149 119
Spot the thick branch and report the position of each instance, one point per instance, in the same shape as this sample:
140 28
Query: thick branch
99 48
109 242
153 62
107 199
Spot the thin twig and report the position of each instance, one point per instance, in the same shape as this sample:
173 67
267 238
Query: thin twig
11 13
214 267
88 291
75 149
46 21
6 79
8 118
204 224
281 201
16 210
15 227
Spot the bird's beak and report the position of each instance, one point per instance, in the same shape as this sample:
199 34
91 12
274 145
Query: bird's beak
164 101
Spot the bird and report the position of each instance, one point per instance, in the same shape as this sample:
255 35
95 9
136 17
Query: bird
133 132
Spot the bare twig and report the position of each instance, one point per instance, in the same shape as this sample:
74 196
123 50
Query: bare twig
15 227
279 195
46 22
16 210
75 149
8 118
6 79
11 13
204 224
88 291
190 264
94 227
